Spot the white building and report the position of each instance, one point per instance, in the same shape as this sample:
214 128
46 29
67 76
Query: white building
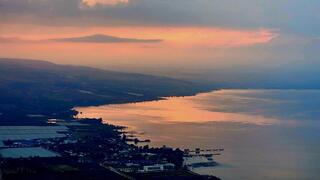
158 167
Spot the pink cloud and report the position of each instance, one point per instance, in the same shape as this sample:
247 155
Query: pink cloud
92 3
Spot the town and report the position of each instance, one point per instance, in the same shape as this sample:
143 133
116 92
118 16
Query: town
86 149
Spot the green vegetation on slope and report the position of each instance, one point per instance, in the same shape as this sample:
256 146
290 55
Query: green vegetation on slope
39 87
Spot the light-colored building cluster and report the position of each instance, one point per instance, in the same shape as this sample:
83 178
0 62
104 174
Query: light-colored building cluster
28 133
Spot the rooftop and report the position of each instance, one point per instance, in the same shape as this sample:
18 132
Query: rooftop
1 144
27 152
31 132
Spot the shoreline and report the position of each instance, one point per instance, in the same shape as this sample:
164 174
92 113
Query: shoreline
147 99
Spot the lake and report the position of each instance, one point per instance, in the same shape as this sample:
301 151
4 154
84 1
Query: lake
266 134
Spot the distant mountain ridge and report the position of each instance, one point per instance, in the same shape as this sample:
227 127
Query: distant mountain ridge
40 87
95 38
102 38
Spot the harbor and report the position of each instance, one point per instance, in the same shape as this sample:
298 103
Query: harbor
200 158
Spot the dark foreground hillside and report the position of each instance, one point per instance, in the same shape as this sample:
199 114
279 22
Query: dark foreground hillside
40 87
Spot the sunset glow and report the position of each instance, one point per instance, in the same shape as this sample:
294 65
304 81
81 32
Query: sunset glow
92 3
203 34
177 42
159 89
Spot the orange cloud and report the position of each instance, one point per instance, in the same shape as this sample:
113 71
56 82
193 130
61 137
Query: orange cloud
180 45
92 3
178 36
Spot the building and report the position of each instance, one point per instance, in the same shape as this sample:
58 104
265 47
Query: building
158 167
2 145
16 153
31 132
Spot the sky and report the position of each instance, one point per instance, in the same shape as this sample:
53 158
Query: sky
160 34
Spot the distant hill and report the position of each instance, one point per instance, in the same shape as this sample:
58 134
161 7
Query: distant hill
101 38
300 76
40 87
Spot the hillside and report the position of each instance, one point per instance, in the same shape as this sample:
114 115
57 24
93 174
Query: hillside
40 87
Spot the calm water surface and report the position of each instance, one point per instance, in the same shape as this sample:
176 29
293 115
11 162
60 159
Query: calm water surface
266 134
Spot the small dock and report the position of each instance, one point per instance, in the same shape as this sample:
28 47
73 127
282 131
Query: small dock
203 152
201 157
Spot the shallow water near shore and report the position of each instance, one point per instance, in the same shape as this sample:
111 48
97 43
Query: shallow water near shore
266 134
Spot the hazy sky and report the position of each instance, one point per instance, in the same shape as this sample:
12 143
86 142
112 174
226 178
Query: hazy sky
189 33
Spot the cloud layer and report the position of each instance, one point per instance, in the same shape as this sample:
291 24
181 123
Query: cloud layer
92 3
206 33
293 16
101 38
96 38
